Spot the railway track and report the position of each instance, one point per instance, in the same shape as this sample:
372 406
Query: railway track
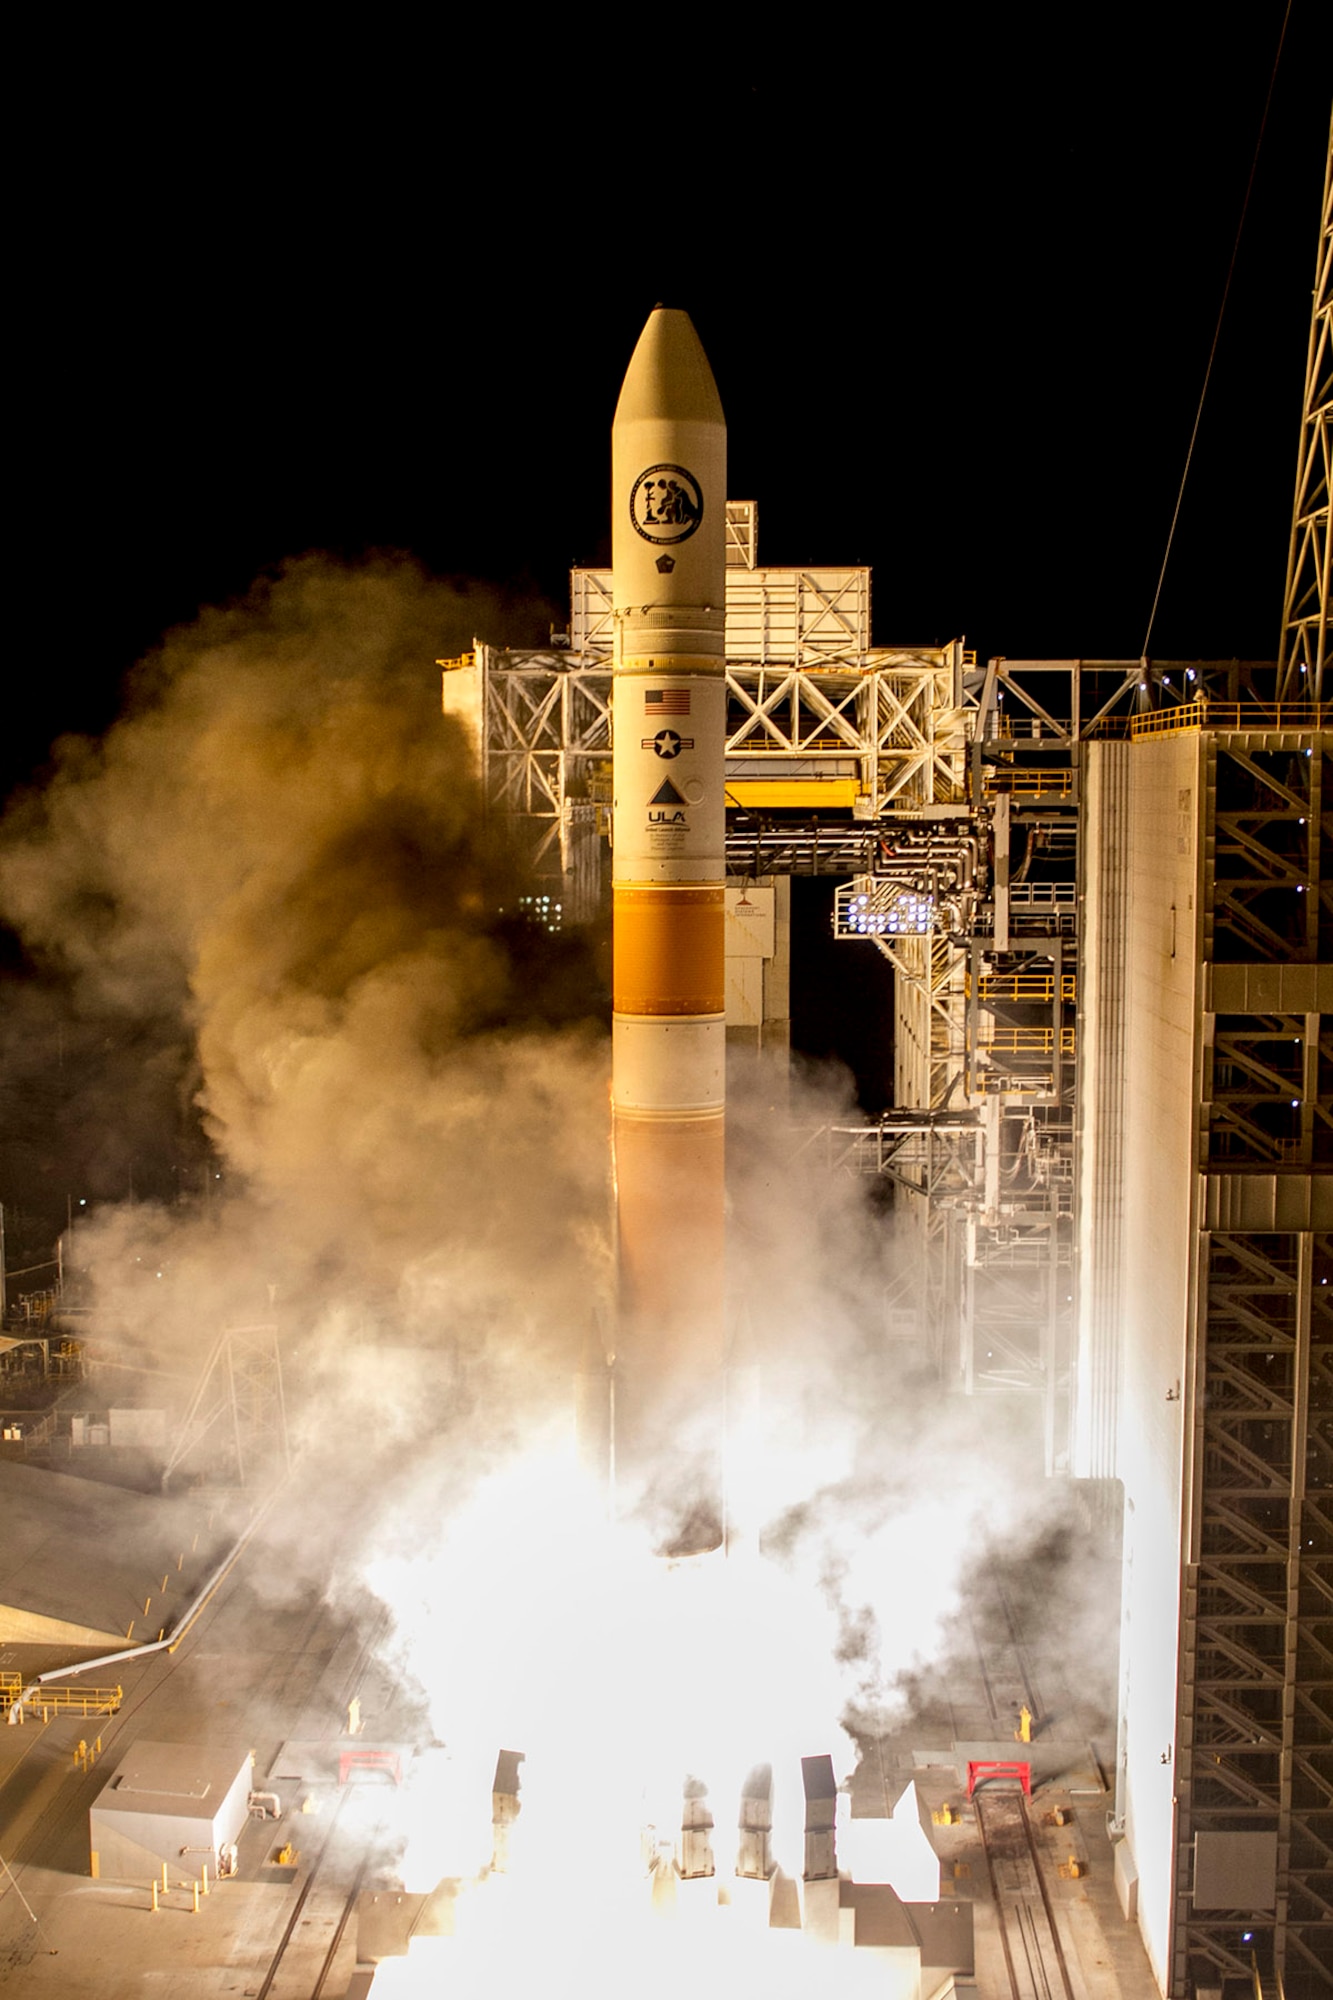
303 1960
1034 1956
1004 1666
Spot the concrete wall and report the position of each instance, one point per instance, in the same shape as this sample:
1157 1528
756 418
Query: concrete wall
1104 909
1145 835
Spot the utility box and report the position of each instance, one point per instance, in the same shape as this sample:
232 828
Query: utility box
172 1803
1126 1881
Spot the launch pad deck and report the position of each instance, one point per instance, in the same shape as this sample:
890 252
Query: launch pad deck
294 1917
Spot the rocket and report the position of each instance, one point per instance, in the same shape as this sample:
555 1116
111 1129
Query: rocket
668 555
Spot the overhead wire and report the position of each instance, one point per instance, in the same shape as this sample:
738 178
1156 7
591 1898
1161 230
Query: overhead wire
1217 331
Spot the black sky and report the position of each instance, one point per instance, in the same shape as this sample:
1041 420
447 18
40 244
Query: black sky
958 284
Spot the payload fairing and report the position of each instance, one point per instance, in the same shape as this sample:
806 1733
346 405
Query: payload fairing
668 551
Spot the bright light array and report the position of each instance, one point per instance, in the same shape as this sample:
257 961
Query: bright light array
910 913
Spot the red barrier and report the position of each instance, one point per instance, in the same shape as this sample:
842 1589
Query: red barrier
369 1760
977 1773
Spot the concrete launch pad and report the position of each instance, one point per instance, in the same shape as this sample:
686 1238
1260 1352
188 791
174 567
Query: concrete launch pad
281 1680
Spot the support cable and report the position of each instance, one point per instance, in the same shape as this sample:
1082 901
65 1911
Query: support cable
1217 331
32 1914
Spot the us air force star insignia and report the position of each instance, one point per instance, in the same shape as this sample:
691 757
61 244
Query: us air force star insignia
666 743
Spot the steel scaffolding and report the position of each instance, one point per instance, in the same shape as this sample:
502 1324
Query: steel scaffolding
1255 1757
1255 1695
947 800
1303 651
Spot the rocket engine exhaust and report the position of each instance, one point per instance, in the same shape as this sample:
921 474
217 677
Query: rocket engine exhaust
669 474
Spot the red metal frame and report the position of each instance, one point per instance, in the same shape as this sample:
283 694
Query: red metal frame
983 1768
369 1760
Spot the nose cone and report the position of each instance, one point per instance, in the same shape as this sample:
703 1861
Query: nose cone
669 375
669 493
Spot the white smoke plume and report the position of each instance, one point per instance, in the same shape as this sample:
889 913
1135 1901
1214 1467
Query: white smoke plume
274 883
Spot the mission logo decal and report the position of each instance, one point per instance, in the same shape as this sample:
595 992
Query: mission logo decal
666 743
667 795
666 505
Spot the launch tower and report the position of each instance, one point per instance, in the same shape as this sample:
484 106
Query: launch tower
1106 892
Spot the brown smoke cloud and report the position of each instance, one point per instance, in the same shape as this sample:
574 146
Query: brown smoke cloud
275 870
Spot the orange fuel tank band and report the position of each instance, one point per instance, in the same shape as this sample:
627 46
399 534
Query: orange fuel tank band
669 950
670 1180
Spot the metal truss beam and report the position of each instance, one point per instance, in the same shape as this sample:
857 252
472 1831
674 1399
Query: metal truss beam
238 1408
1267 899
1303 657
1254 1752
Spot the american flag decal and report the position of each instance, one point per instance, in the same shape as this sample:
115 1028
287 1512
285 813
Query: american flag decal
666 701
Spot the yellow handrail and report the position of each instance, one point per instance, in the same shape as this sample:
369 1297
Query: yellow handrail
1013 1041
1024 986
1203 713
1031 783
48 1701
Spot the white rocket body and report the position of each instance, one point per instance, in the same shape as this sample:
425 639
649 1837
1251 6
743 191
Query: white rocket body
668 557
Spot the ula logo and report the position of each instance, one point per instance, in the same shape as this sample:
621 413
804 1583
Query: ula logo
667 819
666 504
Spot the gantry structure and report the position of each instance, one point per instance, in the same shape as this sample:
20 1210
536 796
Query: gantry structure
979 822
944 799
1106 892
1203 1347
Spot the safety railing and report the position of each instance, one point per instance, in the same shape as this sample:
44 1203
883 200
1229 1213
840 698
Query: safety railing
1002 1083
1027 729
1011 1041
1042 895
49 1701
1024 986
1030 784
816 744
1203 713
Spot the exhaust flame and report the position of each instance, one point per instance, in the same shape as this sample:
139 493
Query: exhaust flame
533 1624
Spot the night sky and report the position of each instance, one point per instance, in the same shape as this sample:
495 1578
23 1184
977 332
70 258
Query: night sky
958 278
958 285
